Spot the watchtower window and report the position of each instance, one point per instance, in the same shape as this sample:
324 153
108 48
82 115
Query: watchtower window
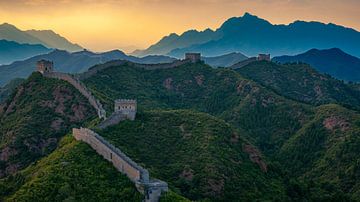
110 155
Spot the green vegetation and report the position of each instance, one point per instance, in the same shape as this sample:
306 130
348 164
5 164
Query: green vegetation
325 150
200 156
73 172
6 91
212 134
302 83
219 92
38 113
172 197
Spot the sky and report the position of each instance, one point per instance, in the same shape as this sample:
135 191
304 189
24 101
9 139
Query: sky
130 24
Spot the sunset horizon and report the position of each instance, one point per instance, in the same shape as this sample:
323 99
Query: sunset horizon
130 25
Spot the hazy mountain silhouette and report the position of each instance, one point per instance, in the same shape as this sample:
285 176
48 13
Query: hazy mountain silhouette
11 51
46 38
251 35
225 60
54 40
71 62
173 41
331 61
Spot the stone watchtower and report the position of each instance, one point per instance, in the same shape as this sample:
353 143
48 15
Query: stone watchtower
193 57
44 66
126 107
263 57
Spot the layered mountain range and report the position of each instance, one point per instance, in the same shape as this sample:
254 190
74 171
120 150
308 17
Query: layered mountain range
251 35
47 38
16 44
208 132
81 61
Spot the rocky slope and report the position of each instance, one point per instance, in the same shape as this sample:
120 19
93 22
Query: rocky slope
35 117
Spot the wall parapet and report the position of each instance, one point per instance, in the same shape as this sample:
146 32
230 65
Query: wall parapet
151 188
97 68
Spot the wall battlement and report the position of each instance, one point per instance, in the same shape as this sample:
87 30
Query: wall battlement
152 189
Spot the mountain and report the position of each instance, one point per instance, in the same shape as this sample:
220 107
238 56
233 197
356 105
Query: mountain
68 174
213 134
201 156
46 38
326 150
78 62
264 116
7 90
11 51
251 35
302 83
224 60
168 43
333 61
54 40
70 62
34 118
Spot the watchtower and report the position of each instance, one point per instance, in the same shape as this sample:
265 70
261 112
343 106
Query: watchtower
44 66
193 57
265 57
126 107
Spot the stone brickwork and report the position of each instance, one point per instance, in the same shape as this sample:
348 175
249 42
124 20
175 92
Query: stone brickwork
120 161
151 188
44 66
193 57
114 119
81 88
263 57
97 68
126 107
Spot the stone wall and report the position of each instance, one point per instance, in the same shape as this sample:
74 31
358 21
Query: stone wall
120 161
114 119
93 70
151 188
81 88
243 63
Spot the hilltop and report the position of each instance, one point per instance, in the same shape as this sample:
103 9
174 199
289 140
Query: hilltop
302 83
200 156
209 132
35 117
333 61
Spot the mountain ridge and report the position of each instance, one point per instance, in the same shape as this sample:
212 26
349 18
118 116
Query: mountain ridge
47 38
334 62
11 51
238 34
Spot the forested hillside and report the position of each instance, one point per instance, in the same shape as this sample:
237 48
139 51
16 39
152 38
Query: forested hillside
302 83
35 117
212 134
200 156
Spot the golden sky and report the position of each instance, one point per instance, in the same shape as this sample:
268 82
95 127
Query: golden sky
125 24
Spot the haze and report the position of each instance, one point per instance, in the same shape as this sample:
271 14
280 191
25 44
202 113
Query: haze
130 24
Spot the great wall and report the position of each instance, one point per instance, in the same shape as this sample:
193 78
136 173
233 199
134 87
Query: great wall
124 109
151 188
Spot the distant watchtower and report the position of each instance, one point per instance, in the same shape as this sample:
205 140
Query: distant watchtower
193 57
44 66
263 57
126 107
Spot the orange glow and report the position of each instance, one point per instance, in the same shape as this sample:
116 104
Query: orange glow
126 24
